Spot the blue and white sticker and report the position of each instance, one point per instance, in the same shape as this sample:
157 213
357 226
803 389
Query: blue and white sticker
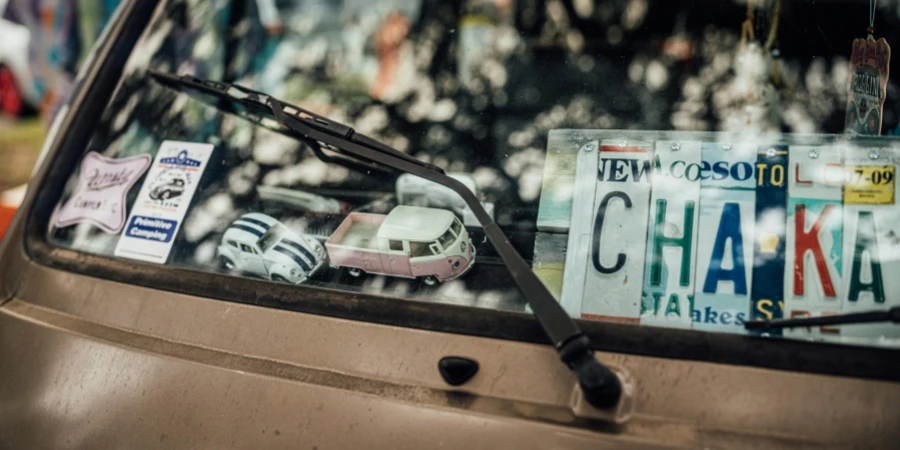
163 201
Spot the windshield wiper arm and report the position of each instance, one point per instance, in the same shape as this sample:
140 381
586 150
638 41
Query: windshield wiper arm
890 315
600 385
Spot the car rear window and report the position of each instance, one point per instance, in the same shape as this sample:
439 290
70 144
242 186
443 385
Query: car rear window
690 165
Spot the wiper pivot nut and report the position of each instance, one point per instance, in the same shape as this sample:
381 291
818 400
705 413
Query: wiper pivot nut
601 387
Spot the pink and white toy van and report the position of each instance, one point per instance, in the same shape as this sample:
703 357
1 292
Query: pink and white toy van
410 242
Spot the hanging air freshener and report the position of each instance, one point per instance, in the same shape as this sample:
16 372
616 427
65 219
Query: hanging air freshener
867 86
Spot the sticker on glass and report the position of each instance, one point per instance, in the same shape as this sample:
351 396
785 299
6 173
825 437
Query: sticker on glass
99 197
869 185
163 201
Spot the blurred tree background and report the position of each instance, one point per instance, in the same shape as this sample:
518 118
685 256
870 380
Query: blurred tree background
45 42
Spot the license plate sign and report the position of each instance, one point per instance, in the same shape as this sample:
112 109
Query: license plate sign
725 239
672 235
608 231
814 235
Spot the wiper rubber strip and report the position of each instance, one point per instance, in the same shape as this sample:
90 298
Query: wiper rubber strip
891 315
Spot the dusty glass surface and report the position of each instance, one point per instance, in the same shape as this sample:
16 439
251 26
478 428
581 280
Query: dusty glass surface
483 89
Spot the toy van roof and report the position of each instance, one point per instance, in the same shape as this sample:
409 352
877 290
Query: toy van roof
415 223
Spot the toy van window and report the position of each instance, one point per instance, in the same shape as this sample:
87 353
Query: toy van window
655 162
447 239
418 249
456 227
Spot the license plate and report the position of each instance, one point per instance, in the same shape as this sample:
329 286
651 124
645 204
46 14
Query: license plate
871 247
725 239
608 232
767 292
668 292
813 246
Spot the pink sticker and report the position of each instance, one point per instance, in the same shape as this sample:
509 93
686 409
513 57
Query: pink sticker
99 197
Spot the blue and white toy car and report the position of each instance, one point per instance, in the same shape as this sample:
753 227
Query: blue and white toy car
260 245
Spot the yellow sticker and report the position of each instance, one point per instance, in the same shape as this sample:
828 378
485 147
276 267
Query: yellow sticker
869 185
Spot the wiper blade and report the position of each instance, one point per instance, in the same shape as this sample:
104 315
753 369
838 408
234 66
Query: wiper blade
255 106
891 315
601 387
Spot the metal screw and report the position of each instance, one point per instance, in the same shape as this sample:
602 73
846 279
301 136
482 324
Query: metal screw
726 146
873 154
813 153
770 152
623 143
676 146
589 147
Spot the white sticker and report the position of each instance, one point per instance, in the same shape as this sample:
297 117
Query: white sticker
99 197
163 201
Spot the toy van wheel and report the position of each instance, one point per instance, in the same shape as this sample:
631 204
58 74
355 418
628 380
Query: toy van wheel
226 263
355 273
430 280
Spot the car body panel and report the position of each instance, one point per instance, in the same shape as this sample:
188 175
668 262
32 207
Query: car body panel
177 370
89 362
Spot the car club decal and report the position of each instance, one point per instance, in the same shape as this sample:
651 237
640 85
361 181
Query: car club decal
163 201
102 186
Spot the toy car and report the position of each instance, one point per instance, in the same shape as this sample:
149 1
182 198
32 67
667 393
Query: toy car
260 245
167 189
410 242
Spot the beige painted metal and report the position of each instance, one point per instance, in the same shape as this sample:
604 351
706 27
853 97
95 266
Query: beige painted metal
90 363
